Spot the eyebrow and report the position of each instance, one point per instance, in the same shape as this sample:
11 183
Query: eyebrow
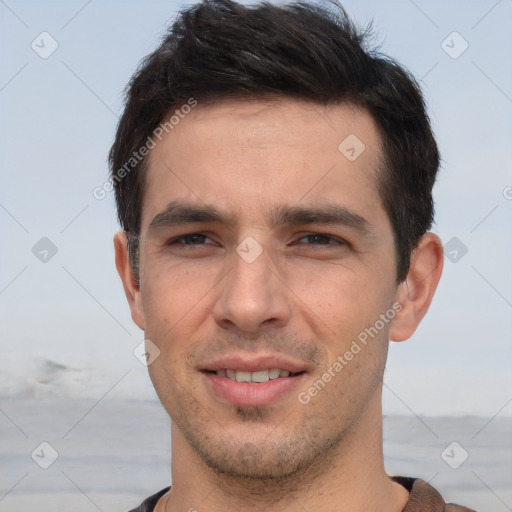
179 212
319 214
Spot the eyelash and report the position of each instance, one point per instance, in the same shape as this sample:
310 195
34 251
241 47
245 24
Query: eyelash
339 241
175 240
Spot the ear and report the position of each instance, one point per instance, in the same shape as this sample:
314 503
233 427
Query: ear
416 291
130 283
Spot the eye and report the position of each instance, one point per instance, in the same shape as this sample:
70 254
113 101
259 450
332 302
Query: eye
190 239
321 239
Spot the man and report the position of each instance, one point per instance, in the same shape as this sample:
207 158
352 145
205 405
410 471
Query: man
273 180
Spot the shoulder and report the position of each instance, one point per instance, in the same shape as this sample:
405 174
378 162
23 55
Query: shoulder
149 504
423 497
452 507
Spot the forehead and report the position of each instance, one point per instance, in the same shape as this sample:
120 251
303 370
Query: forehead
255 153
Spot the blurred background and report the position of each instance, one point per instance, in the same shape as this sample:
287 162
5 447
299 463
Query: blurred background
71 355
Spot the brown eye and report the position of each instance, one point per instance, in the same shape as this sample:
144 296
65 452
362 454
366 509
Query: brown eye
189 239
320 239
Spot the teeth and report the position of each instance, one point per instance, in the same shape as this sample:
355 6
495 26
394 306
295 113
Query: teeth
274 373
254 377
260 376
243 376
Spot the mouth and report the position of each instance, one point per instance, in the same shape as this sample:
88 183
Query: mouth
252 383
256 377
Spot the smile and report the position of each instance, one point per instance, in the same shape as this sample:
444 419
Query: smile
258 388
256 377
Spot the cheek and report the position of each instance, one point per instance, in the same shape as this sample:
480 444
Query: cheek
340 392
344 299
344 311
172 292
176 301
175 390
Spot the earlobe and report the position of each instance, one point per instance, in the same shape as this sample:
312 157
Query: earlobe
415 293
130 283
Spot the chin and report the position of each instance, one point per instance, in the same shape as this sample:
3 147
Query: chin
259 451
255 462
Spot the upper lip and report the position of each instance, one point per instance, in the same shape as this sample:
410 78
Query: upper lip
251 363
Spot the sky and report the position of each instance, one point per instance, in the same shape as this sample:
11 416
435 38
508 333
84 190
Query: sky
63 69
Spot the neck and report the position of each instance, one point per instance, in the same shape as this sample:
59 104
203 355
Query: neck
350 477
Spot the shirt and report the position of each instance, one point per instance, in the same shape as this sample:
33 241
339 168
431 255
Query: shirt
422 498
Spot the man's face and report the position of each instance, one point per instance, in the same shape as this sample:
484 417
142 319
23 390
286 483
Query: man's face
263 247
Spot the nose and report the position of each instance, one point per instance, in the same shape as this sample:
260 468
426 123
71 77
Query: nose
252 295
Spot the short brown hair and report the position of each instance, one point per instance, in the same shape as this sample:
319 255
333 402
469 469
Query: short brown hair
219 48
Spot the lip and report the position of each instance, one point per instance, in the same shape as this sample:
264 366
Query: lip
253 364
251 395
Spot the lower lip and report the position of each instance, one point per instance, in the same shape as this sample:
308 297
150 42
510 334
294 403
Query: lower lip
245 394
